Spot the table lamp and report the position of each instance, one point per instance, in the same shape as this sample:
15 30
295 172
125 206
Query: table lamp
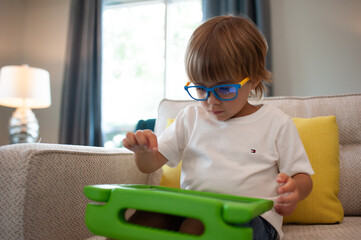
24 88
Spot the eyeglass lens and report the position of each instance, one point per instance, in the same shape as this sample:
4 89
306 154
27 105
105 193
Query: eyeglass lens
224 92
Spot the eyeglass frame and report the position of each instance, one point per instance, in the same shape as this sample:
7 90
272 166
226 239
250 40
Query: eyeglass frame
236 86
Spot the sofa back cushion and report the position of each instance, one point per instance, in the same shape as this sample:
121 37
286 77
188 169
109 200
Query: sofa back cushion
347 110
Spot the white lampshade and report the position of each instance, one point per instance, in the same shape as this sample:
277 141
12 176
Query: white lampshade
24 86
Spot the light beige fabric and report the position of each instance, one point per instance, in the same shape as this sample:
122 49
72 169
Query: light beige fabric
42 185
349 229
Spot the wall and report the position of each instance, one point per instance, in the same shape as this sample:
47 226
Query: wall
11 36
34 32
316 47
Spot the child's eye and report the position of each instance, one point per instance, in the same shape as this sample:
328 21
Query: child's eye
226 90
201 90
223 90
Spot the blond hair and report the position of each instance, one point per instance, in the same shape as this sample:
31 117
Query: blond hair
227 48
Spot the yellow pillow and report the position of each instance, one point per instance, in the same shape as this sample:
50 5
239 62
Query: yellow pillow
320 139
171 176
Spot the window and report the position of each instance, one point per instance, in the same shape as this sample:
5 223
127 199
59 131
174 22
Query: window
143 59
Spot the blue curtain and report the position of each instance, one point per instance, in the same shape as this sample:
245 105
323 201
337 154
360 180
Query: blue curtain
80 122
257 10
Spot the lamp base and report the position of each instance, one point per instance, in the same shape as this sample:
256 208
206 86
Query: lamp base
23 126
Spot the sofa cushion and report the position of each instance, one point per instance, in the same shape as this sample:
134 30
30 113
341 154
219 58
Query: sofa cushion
349 229
171 176
320 138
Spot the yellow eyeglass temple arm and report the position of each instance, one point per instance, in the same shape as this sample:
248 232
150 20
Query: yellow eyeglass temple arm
244 81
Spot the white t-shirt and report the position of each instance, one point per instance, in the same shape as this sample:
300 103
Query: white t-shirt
240 156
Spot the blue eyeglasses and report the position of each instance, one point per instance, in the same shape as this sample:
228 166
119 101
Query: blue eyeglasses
224 92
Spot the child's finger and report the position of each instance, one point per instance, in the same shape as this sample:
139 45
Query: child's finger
141 139
126 144
288 198
287 187
130 140
284 210
152 140
282 178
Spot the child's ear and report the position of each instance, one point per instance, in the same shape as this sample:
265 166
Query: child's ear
255 83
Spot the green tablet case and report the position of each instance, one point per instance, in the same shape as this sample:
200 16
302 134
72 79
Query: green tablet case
221 214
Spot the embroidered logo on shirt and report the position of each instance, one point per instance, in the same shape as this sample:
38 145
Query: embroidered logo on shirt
253 150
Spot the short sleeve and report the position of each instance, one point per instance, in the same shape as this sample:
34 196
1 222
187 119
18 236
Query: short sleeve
171 142
292 155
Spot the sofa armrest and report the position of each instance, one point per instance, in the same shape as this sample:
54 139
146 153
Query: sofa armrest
42 185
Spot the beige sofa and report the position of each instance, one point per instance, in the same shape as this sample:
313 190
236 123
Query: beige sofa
41 185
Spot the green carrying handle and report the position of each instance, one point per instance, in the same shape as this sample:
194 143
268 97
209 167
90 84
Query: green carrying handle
218 212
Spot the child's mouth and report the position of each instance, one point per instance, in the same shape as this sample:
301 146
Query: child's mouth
216 112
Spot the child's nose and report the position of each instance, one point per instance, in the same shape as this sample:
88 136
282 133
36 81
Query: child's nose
212 99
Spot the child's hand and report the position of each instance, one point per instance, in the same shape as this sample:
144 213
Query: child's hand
141 141
289 195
